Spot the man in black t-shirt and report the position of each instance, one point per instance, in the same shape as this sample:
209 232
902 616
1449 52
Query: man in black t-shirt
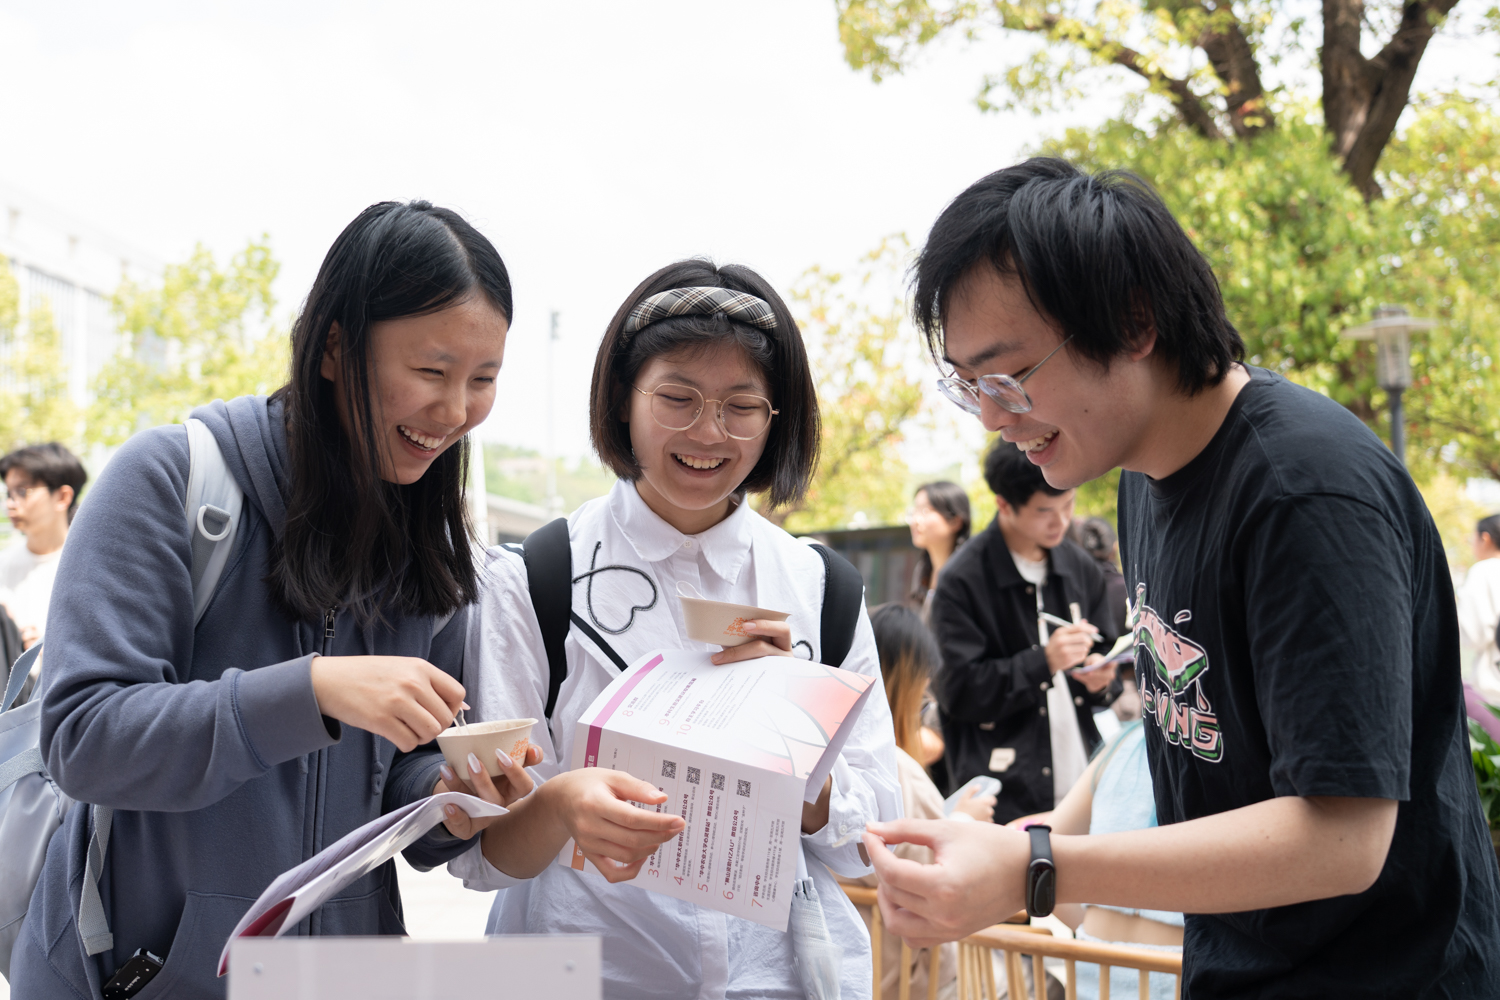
1295 629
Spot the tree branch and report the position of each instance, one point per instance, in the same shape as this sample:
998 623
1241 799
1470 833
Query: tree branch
1189 105
1234 63
1363 98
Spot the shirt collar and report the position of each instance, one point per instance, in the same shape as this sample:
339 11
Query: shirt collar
725 545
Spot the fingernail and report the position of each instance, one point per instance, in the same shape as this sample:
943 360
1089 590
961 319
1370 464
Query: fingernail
451 810
502 757
463 706
449 775
474 764
749 626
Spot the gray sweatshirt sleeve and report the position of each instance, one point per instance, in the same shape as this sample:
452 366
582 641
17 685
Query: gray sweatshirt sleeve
122 725
414 774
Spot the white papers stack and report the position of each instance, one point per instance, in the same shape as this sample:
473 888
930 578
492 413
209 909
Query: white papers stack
303 889
737 750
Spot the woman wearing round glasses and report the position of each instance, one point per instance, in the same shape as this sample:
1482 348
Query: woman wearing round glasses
701 395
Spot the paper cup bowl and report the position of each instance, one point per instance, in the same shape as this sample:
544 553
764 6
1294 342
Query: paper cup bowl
482 739
722 623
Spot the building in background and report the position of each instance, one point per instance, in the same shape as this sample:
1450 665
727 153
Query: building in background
884 556
73 268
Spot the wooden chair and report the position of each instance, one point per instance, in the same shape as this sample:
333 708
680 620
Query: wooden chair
976 977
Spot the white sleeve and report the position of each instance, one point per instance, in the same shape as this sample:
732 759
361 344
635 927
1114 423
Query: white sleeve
505 677
865 786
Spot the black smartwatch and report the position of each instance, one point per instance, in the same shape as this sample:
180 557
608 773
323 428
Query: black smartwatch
1041 875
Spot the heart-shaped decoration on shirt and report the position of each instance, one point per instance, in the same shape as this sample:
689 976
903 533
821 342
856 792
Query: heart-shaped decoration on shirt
614 589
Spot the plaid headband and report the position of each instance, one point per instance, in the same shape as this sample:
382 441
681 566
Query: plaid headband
701 301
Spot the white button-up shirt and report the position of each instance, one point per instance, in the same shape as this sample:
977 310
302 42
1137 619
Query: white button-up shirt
627 563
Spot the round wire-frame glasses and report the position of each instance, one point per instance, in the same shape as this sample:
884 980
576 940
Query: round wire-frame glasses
743 416
1005 390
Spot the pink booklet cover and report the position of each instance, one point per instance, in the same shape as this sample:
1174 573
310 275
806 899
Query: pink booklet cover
737 750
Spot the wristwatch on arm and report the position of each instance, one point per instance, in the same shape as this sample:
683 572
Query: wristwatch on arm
1041 874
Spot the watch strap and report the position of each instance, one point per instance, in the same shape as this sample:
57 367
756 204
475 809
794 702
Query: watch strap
1041 874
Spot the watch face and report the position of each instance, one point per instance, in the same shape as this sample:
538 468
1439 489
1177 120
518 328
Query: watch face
1041 887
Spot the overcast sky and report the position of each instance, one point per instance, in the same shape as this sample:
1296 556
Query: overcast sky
591 141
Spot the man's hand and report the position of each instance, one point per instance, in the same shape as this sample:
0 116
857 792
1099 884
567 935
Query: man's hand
1069 645
403 698
977 878
514 783
1097 678
772 639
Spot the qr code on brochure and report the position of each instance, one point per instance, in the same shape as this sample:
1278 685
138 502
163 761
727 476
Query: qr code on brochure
742 788
694 775
669 769
718 782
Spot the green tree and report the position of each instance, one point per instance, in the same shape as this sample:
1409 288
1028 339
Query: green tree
36 406
1206 58
869 382
204 334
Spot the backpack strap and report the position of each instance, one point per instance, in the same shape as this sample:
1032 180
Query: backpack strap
213 506
214 501
548 553
843 597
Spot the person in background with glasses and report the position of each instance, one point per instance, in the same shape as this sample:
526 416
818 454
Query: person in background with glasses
701 395
1296 634
42 483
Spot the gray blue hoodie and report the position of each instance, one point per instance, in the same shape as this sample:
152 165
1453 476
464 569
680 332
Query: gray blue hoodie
208 743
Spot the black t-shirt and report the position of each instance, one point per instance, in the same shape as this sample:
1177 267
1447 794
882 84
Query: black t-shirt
1297 635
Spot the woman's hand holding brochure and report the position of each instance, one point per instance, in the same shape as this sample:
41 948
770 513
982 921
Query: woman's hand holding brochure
594 807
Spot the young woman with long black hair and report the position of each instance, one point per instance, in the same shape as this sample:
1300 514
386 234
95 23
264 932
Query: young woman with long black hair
701 394
305 701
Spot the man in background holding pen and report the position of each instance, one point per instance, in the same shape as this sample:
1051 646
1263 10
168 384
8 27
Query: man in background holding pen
1015 695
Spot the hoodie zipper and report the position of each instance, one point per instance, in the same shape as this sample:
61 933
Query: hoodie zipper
328 618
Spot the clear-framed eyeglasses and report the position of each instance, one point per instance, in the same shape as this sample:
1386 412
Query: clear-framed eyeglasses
1005 390
20 493
743 416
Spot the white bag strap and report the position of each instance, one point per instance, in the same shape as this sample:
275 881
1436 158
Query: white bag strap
214 501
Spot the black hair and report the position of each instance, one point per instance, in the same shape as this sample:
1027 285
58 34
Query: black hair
1097 538
51 465
791 452
352 539
1100 256
1013 477
949 500
1488 526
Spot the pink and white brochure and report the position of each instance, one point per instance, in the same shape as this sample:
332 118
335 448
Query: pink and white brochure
737 750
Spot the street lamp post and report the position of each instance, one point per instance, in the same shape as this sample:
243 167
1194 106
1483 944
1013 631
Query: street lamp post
1391 329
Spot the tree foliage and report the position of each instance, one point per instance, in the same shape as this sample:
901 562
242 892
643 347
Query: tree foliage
1206 58
35 405
202 335
868 374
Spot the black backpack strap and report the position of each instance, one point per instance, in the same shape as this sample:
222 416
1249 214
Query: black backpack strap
548 553
843 596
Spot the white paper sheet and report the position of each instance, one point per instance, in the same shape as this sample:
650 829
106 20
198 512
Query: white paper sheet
303 889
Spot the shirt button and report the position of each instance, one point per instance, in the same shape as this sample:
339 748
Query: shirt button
1030 590
1041 711
687 545
1077 700
1045 685
1046 771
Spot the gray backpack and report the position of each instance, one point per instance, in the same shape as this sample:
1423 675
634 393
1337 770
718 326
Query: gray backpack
32 807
